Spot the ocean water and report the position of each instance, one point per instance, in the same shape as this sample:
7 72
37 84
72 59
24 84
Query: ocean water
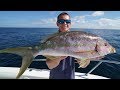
14 37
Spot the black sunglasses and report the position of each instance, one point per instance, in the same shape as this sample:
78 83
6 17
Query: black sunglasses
61 21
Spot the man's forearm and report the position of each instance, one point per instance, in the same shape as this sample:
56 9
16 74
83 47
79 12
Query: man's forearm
54 63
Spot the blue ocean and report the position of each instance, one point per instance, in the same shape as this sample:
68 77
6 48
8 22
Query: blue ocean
15 37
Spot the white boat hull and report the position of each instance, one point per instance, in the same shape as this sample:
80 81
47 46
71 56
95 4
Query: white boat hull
31 73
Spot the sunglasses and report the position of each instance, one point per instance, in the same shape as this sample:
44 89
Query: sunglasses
62 21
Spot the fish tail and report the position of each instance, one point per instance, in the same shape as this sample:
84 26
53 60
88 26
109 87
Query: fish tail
27 59
27 56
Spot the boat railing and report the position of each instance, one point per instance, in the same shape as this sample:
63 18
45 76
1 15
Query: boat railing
99 63
91 70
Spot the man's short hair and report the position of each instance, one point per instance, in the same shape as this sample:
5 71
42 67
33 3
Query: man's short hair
63 13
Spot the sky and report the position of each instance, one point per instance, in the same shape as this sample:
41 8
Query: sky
47 19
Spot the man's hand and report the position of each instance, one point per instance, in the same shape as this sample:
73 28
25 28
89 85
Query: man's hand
83 63
53 62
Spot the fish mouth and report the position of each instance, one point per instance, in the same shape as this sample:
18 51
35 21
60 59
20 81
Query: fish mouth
113 50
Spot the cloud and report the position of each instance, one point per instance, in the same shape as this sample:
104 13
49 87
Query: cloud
84 21
45 22
108 23
78 20
98 13
101 23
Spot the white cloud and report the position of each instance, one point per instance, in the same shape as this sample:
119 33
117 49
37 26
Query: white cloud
78 20
102 23
52 12
45 22
108 23
98 13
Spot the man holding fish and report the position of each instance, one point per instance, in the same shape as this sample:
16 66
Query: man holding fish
64 67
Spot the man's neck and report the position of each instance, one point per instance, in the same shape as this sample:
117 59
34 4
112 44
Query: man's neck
64 31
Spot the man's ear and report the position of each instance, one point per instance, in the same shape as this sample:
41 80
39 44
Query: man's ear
57 23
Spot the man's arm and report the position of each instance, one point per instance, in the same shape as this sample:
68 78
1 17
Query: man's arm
55 62
83 63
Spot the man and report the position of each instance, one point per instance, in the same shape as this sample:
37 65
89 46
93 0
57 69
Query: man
63 67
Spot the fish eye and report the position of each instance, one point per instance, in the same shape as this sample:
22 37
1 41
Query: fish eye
105 44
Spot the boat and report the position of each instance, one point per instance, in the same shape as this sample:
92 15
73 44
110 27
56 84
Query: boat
33 73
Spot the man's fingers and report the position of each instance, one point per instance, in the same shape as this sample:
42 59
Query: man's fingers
83 63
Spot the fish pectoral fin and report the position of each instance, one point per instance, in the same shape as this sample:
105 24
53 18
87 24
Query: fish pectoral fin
26 61
83 63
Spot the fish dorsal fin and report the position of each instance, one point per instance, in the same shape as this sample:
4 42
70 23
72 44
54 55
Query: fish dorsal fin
49 37
52 36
